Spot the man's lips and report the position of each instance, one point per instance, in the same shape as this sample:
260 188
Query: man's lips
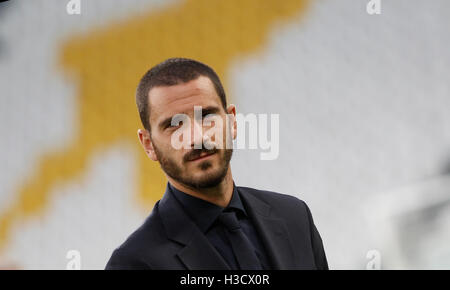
202 156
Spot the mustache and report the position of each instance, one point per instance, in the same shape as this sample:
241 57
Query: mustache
195 153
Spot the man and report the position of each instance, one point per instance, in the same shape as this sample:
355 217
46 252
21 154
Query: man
204 221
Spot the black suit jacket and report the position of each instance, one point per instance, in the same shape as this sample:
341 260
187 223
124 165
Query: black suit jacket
169 239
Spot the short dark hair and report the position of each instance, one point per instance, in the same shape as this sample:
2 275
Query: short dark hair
170 72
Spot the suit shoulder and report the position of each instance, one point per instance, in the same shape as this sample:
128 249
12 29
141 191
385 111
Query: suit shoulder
275 198
150 231
145 237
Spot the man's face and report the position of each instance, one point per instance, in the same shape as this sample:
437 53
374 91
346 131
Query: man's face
196 168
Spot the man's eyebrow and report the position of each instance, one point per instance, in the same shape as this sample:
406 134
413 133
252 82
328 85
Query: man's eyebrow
205 111
210 110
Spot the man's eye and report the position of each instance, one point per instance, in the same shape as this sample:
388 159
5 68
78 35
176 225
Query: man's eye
174 126
209 116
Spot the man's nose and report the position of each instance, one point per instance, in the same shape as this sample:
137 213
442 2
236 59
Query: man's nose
197 134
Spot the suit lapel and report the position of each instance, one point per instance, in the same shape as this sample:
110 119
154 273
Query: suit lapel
198 253
273 232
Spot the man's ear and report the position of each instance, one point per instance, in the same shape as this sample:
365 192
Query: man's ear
231 111
147 144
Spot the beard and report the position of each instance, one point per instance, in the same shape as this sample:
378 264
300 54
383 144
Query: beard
207 179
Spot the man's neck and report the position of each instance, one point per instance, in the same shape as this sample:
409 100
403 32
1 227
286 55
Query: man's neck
219 195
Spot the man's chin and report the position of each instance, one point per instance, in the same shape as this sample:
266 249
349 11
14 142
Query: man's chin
207 178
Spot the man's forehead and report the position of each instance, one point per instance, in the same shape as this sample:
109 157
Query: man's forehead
182 97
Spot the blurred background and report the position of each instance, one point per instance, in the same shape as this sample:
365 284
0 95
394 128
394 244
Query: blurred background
363 100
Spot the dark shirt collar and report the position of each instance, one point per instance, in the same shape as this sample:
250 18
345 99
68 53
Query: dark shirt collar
203 212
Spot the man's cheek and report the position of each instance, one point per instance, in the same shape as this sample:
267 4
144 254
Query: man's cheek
179 156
